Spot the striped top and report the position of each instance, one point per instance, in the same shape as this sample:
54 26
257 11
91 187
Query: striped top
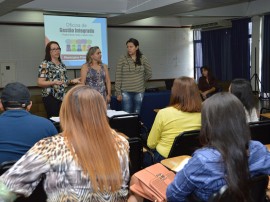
130 77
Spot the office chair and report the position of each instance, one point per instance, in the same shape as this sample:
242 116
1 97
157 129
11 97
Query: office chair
260 131
126 123
37 195
257 185
185 143
57 126
135 154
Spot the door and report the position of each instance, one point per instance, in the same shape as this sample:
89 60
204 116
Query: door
8 73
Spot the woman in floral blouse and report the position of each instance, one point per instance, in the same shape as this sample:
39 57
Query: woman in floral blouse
88 161
53 79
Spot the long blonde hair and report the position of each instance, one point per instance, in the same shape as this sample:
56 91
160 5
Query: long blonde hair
90 139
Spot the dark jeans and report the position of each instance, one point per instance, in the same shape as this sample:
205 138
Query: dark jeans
149 160
52 105
132 102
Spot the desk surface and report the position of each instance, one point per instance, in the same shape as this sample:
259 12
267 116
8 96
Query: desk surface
266 115
175 163
267 146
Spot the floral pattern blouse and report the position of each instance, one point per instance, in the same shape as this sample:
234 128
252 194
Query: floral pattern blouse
64 178
51 72
96 80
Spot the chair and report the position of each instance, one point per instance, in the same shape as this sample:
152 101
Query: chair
37 195
260 131
6 165
57 126
185 143
262 111
126 123
135 154
257 185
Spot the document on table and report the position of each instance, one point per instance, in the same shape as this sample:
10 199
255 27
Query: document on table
55 118
111 113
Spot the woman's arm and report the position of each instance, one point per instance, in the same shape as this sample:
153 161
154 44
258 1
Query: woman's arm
155 133
41 82
188 179
23 177
84 71
147 69
108 83
118 78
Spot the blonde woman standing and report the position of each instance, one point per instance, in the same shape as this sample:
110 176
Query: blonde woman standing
95 74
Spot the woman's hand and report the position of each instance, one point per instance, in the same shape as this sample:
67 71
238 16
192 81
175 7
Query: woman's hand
108 99
119 98
57 82
204 95
76 81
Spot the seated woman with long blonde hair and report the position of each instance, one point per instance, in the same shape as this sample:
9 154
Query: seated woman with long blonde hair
88 161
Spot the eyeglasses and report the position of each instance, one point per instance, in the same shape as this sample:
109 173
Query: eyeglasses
56 49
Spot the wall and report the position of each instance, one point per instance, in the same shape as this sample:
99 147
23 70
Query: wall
169 50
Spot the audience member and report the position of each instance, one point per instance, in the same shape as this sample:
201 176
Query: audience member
228 157
183 114
20 130
242 89
207 83
95 74
132 72
88 161
52 77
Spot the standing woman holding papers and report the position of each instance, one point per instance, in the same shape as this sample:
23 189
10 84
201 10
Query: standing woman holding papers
132 72
53 79
95 74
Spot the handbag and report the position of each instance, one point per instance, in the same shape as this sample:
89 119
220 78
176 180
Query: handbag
151 183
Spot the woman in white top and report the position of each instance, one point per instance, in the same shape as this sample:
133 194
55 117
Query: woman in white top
242 89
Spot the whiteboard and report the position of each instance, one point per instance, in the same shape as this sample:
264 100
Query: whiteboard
169 50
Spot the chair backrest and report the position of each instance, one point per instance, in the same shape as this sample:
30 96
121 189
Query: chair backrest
6 165
37 195
185 143
135 154
260 131
57 126
126 123
257 186
262 111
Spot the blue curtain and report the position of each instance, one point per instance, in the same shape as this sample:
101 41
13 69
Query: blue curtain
240 49
266 56
216 51
227 51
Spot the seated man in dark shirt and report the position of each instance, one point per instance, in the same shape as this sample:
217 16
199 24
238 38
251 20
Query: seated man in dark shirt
19 129
207 83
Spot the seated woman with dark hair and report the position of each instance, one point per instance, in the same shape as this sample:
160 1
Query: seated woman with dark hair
183 114
242 89
228 157
88 161
207 83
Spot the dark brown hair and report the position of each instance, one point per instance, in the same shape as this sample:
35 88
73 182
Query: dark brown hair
48 49
224 128
185 95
